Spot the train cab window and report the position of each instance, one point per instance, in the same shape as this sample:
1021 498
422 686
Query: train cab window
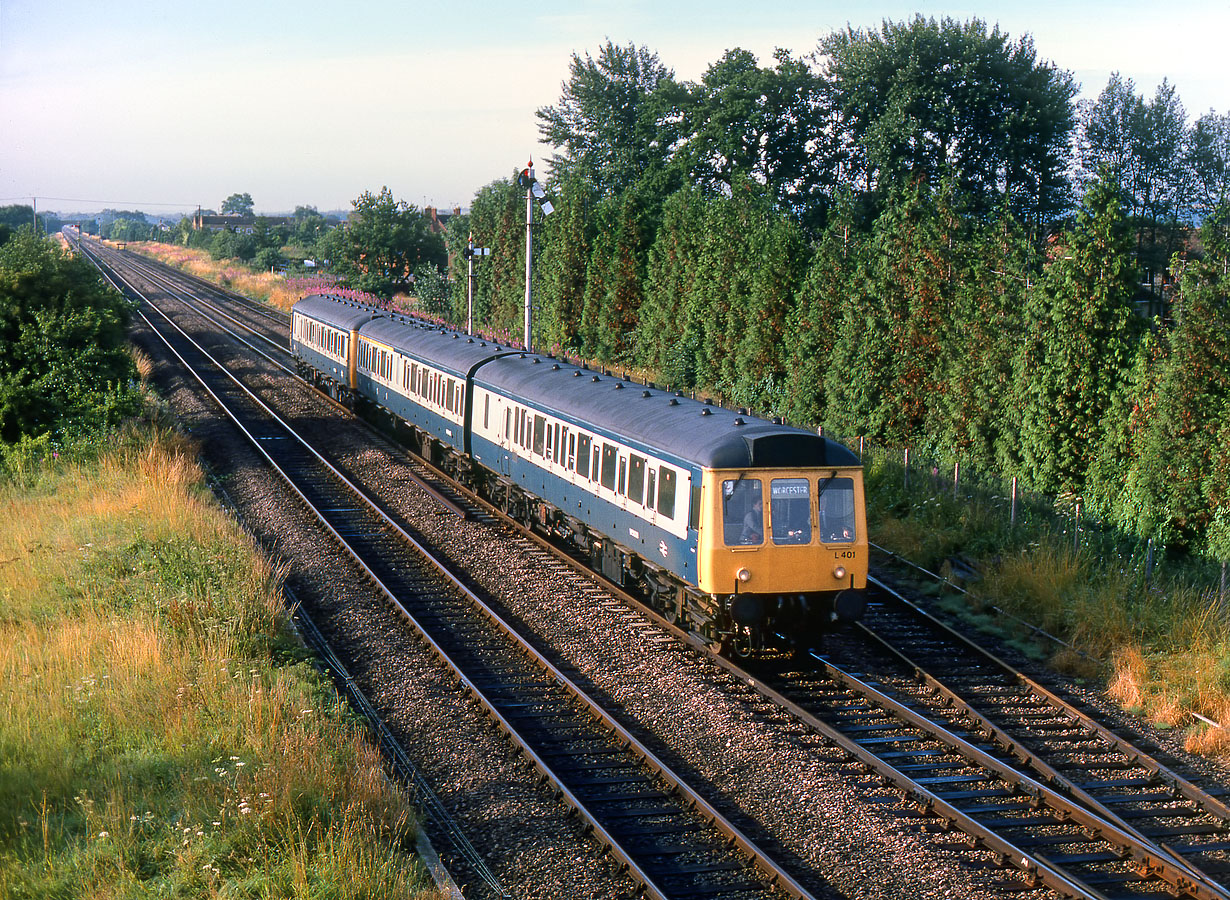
583 442
666 493
836 504
610 457
636 478
742 512
790 510
540 435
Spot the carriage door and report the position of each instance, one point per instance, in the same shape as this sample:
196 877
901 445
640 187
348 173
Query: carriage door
506 430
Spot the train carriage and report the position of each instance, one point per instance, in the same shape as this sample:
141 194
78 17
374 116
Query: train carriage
323 333
749 532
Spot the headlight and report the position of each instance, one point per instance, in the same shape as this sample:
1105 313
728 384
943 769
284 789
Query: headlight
839 573
744 576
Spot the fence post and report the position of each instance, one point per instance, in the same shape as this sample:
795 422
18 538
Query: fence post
1076 528
956 477
1012 513
907 467
1149 564
860 449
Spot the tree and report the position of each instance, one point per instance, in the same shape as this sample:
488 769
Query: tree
1208 156
1144 149
385 241
818 313
1080 344
64 365
925 99
769 124
613 120
560 271
1176 485
237 205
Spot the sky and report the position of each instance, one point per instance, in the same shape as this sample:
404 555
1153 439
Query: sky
165 106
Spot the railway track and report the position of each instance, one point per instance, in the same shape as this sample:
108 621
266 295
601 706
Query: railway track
956 680
1011 802
667 837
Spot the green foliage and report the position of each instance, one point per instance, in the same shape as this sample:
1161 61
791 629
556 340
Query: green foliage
614 117
237 205
614 280
816 320
1080 344
431 289
769 124
497 221
560 271
64 366
925 99
228 244
1176 487
668 338
384 242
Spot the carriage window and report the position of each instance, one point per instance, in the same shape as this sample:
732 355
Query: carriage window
742 512
666 493
572 450
636 478
790 510
561 443
540 434
609 457
583 455
623 476
507 423
649 489
836 503
486 411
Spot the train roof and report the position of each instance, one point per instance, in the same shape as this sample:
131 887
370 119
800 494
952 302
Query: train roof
450 350
336 311
664 421
443 347
689 430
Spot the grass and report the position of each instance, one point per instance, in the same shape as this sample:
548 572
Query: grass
267 286
160 733
1162 641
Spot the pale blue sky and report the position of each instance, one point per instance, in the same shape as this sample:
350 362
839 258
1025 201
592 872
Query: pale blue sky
133 103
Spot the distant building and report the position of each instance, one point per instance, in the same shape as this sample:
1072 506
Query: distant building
439 217
243 224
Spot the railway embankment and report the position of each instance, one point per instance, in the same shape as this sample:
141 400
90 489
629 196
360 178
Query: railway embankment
160 728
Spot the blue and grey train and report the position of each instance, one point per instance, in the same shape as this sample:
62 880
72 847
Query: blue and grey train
747 532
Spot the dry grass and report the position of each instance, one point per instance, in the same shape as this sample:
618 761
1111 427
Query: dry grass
259 285
151 743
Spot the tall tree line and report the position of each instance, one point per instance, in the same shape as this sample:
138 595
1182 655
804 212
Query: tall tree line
912 235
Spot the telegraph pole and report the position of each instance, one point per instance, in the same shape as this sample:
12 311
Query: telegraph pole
470 252
532 190
528 178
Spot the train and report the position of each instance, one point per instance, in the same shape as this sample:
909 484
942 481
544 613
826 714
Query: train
747 532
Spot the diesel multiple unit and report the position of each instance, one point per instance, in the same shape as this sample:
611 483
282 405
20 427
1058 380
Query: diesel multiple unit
748 532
